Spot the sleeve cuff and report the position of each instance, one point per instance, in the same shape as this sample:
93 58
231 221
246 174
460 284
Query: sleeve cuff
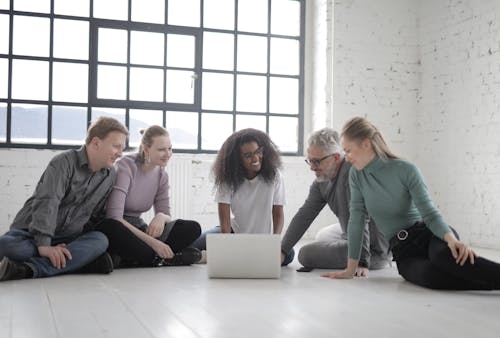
42 240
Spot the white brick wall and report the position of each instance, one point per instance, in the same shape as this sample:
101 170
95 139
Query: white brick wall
427 73
376 67
459 114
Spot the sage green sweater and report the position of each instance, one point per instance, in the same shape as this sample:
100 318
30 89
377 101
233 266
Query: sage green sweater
394 194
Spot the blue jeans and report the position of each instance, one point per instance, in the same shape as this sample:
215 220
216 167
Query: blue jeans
20 246
201 244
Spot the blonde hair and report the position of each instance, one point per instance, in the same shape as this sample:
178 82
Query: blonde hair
148 135
101 127
359 129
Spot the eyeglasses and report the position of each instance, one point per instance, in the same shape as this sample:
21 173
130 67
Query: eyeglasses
317 161
248 156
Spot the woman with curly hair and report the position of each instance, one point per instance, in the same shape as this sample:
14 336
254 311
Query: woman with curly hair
248 183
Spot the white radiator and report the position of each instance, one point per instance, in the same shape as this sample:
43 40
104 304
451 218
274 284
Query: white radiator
180 173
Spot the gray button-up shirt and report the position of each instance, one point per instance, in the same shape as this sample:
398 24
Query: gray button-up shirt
336 194
68 200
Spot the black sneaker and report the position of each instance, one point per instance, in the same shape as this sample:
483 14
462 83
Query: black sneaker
10 270
102 264
187 256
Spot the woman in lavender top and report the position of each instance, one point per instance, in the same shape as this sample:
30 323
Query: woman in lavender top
142 183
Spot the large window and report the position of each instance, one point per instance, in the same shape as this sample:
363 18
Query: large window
201 68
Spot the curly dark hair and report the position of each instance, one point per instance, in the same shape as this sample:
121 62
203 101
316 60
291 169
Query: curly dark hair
228 168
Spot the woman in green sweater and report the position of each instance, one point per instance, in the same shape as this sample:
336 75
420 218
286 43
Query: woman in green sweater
392 191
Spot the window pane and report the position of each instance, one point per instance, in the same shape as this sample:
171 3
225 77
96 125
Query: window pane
4 34
252 16
68 125
285 17
71 39
3 122
147 48
146 84
29 123
5 4
141 119
284 96
183 129
111 82
284 56
151 11
252 53
31 35
218 51
111 9
180 50
218 14
284 132
184 12
4 76
180 86
217 91
117 113
37 6
70 82
30 80
251 121
112 45
72 7
215 129
251 93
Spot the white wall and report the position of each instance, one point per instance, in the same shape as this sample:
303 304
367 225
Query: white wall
459 113
427 73
376 67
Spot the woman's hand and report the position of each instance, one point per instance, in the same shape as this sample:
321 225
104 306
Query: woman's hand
348 273
163 250
361 272
344 274
157 224
459 250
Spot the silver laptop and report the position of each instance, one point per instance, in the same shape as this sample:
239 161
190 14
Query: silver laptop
243 256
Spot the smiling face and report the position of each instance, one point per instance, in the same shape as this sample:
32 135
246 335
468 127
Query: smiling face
160 151
328 163
107 150
358 153
251 155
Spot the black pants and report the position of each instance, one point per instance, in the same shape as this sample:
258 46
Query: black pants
134 252
429 263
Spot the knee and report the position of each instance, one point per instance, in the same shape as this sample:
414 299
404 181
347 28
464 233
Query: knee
304 256
191 227
8 245
100 241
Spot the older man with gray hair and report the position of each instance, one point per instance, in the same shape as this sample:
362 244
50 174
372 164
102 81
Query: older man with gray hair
331 186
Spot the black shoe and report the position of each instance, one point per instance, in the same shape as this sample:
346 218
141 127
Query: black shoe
10 270
102 264
187 256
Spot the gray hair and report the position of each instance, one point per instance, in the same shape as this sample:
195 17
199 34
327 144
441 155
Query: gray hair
327 139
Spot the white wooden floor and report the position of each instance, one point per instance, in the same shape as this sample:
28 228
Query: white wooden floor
183 302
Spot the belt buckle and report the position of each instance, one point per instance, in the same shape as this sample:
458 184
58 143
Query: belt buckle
402 235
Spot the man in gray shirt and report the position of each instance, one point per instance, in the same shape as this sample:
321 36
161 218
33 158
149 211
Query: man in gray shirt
53 232
325 157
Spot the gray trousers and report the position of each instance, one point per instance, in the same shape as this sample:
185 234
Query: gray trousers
329 251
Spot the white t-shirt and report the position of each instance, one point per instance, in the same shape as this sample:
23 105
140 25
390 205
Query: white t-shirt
252 204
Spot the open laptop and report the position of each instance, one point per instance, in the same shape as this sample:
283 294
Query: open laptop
243 256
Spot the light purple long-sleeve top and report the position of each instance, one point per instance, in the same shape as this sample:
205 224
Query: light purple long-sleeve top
136 191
